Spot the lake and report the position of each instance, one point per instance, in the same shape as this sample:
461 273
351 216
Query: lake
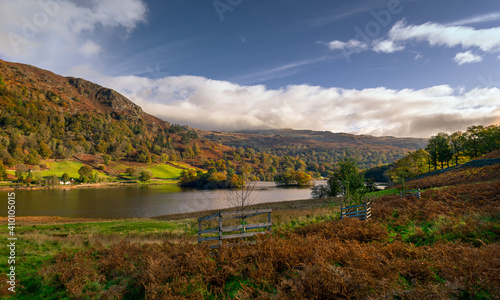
137 202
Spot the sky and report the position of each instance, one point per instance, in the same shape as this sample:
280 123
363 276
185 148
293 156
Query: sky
378 67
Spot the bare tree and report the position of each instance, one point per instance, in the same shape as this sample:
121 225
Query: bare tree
242 197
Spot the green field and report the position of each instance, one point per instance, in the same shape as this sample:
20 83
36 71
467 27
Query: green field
59 168
162 171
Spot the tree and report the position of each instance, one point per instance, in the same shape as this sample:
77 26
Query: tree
457 142
320 191
3 171
65 178
145 176
473 141
85 173
106 158
132 172
348 181
439 149
242 197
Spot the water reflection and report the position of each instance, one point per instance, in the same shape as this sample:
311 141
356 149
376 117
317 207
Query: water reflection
131 202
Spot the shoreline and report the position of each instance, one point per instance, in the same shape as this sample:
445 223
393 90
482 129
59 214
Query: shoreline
276 206
87 185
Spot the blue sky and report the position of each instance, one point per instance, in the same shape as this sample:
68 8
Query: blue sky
403 68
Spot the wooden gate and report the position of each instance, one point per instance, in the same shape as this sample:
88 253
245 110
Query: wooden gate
361 211
226 231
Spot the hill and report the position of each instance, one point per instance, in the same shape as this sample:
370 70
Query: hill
47 116
320 147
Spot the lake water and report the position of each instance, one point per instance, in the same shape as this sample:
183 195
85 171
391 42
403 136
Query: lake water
134 202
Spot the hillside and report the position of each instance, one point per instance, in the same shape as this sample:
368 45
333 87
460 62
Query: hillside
47 116
320 147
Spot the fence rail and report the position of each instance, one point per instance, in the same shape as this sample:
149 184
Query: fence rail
242 228
360 211
415 193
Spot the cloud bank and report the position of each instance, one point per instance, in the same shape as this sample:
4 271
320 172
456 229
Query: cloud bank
221 105
48 30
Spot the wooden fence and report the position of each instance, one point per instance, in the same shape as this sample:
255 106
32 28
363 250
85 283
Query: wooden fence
415 193
221 217
361 211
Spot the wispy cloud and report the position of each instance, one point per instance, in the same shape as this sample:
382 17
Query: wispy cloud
467 58
487 40
495 16
434 34
279 71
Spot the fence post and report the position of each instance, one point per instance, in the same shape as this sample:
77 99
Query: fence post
270 228
220 229
199 230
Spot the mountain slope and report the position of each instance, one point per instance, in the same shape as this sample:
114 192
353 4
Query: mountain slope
44 115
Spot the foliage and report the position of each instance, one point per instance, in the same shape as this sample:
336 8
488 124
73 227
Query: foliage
85 173
145 176
320 191
408 167
293 178
347 180
106 158
443 148
210 180
65 177
130 171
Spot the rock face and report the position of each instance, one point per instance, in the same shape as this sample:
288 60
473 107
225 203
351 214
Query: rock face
108 99
78 95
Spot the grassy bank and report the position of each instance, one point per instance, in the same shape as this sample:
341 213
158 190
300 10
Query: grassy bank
444 245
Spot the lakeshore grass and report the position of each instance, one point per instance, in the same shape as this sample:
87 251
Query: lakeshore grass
443 245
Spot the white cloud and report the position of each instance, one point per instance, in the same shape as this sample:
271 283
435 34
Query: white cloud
90 48
478 19
355 45
386 46
488 40
467 58
51 31
221 105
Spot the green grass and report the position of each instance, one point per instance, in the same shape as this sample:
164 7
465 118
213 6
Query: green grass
122 227
382 193
59 168
38 244
162 171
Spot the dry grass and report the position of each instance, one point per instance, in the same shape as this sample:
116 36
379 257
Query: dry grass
457 177
337 259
